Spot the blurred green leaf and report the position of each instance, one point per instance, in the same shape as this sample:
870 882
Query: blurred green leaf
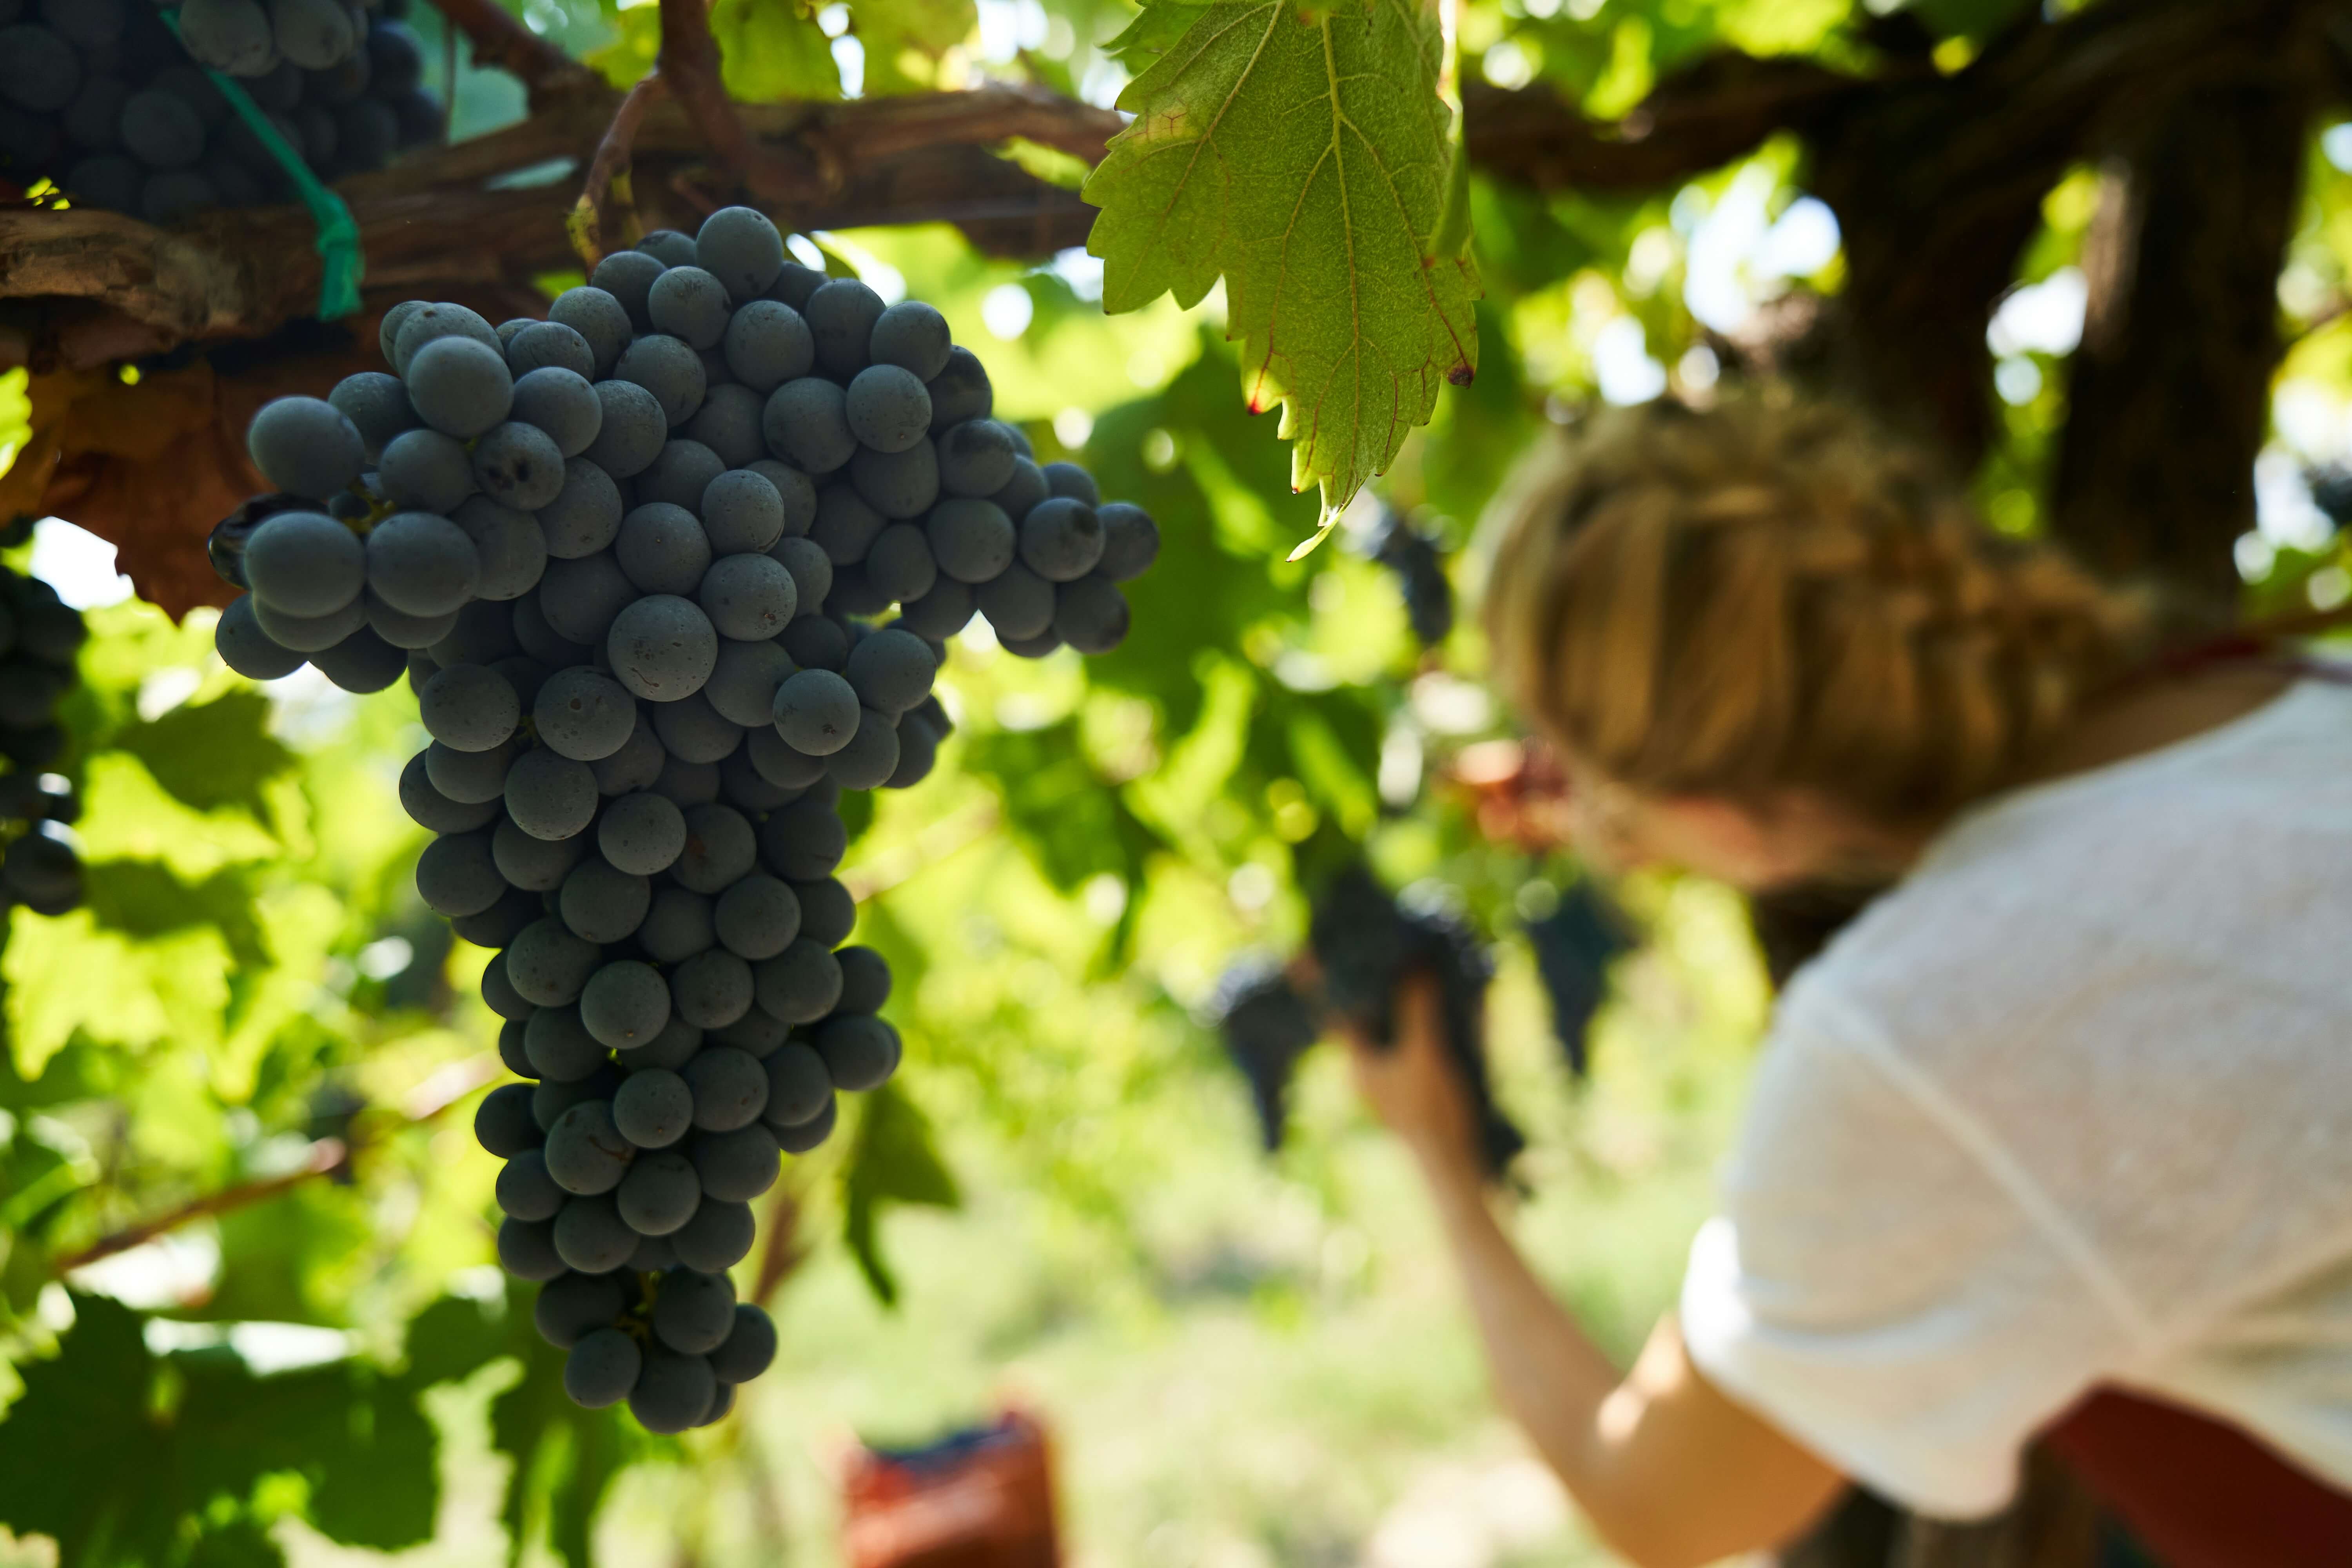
893 1161
1070 818
773 50
123 1456
218 753
455 1337
904 40
143 899
565 1458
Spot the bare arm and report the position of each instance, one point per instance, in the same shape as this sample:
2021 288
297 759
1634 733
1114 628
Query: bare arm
1670 1471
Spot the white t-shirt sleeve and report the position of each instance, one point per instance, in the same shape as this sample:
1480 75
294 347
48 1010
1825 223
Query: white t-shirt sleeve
1884 1285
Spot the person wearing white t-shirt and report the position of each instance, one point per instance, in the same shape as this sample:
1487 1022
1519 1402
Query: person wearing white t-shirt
2068 1107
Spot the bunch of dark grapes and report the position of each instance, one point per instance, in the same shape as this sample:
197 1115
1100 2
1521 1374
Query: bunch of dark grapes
1365 942
1574 945
634 561
98 97
39 639
1266 1027
1420 570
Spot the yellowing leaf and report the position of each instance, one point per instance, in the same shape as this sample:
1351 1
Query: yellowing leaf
1303 157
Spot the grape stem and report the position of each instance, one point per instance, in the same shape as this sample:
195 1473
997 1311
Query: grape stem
689 63
606 205
326 1157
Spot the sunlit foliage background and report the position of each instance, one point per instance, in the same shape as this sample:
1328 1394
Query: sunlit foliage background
1245 1361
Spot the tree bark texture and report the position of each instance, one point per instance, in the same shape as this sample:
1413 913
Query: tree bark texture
2169 394
1937 184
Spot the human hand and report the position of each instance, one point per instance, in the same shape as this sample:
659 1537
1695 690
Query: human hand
1411 1084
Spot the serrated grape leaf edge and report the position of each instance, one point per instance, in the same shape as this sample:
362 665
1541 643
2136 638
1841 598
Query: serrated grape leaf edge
1304 157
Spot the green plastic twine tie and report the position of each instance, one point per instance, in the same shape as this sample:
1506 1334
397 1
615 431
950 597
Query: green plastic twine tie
341 265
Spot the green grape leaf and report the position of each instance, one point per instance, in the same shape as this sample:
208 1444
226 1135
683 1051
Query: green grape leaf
455 1337
904 40
770 51
1154 31
77 1434
565 1459
1304 158
1061 809
119 1454
893 1161
220 753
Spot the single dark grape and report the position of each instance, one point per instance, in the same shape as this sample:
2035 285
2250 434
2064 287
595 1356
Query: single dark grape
811 1133
1090 615
628 276
527 1249
750 1348
625 1003
1131 541
803 843
799 1088
603 903
642 834
913 336
585 515
669 369
548 965
673 1393
806 424
860 1051
694 732
741 248
689 304
571 1307
679 473
668 247
579 600
694 1313
768 345
662 548
660 1192
654 1108
717 1239
1018 603
427 470
864 980
816 712
632 431
559 1047
591 1236
663 648
939 615
585 1152
841 316
728 423
502 1122
960 390
525 1190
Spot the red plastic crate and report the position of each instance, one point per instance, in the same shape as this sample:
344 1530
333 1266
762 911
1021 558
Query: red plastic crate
982 1497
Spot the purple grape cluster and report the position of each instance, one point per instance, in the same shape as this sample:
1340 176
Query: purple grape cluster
99 97
39 640
633 559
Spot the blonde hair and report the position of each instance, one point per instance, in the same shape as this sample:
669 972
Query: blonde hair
1771 594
